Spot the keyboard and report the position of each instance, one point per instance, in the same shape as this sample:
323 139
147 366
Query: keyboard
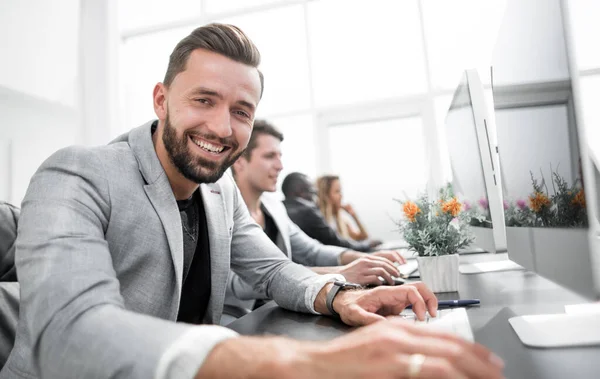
453 320
407 269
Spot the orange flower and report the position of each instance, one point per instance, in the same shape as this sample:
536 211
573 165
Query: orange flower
411 210
452 206
538 201
579 199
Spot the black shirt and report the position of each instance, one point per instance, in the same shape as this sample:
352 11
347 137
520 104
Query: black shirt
195 293
270 227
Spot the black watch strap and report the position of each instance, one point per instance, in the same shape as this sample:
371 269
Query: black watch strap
337 287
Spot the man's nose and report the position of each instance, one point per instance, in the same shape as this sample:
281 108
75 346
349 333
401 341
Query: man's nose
278 164
220 124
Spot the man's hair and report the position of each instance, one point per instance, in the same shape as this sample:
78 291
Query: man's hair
223 39
293 184
261 127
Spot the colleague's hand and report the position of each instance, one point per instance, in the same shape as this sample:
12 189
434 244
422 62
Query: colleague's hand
386 349
364 307
367 270
392 255
348 208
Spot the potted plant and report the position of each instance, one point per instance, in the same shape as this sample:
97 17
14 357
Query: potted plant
436 230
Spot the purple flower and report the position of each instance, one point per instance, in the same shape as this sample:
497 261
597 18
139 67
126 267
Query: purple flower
506 204
483 202
522 204
466 205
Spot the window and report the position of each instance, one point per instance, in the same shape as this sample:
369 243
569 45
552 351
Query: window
586 29
283 51
590 93
298 146
370 53
460 34
218 6
144 63
135 14
379 161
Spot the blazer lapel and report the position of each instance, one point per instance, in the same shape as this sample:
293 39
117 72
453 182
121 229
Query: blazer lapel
158 189
219 235
163 201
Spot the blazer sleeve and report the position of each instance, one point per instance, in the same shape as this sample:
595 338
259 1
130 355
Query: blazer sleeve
74 314
260 263
310 252
315 226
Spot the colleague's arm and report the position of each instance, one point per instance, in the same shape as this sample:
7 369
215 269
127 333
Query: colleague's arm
357 235
77 321
315 226
310 252
260 263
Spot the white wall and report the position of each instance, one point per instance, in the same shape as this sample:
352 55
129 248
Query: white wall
38 87
57 82
38 46
35 128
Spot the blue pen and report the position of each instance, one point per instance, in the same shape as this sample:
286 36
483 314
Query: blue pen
454 303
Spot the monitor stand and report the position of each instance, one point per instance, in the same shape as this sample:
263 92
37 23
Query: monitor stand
558 330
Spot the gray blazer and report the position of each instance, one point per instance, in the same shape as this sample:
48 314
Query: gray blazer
9 219
294 243
100 259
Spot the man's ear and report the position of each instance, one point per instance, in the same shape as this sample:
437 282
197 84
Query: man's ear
160 101
240 164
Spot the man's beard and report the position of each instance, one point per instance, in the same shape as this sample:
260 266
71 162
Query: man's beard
195 168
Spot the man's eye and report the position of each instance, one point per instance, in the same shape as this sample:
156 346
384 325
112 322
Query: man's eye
203 101
242 113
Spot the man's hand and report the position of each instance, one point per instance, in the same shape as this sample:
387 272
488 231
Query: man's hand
381 350
367 270
392 255
364 307
389 255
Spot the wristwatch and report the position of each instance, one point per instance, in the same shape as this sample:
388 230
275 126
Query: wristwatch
337 287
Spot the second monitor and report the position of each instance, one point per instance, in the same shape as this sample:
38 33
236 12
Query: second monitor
474 166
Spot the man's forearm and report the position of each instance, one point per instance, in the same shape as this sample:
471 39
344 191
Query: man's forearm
256 357
326 270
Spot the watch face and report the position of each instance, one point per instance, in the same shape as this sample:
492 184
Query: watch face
348 285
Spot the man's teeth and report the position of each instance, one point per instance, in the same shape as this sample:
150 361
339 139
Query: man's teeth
207 146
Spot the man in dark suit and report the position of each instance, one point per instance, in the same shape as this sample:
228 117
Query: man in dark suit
300 205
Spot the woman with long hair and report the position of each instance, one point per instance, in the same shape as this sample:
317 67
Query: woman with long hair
329 193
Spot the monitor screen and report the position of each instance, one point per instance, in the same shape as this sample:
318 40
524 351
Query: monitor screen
468 181
535 120
547 223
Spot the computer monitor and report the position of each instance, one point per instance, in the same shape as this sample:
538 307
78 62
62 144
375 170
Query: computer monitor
473 160
546 171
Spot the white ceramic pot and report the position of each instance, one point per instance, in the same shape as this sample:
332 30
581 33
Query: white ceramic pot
439 273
